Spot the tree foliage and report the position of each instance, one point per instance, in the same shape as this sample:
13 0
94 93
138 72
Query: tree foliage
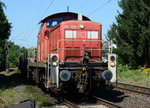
132 32
5 29
14 53
5 26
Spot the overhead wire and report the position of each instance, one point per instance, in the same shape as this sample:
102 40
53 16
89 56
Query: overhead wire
44 13
99 8
29 24
47 9
41 17
13 38
38 8
84 3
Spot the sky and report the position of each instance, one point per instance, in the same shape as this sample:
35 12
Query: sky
26 14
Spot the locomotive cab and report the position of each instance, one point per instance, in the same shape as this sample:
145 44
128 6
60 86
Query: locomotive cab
69 53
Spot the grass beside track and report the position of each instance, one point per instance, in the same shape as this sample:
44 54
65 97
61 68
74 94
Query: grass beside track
13 90
37 96
136 77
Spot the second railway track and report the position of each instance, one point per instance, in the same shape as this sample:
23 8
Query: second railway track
133 88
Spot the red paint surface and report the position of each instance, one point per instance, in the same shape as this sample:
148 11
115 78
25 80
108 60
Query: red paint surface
57 34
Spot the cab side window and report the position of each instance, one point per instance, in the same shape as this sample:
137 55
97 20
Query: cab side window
41 26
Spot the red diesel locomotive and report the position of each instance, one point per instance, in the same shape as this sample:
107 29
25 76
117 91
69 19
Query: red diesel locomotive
69 54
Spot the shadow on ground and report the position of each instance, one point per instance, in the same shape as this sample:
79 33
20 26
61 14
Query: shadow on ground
85 99
16 79
11 79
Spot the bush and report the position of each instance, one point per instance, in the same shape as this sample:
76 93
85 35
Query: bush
123 68
147 71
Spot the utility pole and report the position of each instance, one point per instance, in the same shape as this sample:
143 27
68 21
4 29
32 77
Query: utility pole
6 55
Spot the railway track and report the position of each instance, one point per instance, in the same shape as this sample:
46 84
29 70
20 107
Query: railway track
101 101
123 87
107 103
133 88
65 100
70 104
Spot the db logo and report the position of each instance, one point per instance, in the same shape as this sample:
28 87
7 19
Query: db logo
82 34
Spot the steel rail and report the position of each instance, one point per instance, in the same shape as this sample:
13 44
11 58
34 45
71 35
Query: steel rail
143 90
131 90
133 86
70 104
107 103
66 101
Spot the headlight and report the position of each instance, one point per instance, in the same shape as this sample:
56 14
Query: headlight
54 58
82 26
83 68
54 64
112 64
112 58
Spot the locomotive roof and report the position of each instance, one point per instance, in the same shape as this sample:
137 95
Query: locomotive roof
64 14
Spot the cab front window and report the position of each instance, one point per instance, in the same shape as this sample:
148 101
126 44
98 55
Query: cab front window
53 22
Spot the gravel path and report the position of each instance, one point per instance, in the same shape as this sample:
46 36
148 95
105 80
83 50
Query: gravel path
126 100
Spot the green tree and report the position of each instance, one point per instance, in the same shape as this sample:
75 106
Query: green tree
14 53
24 52
5 29
132 32
5 26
